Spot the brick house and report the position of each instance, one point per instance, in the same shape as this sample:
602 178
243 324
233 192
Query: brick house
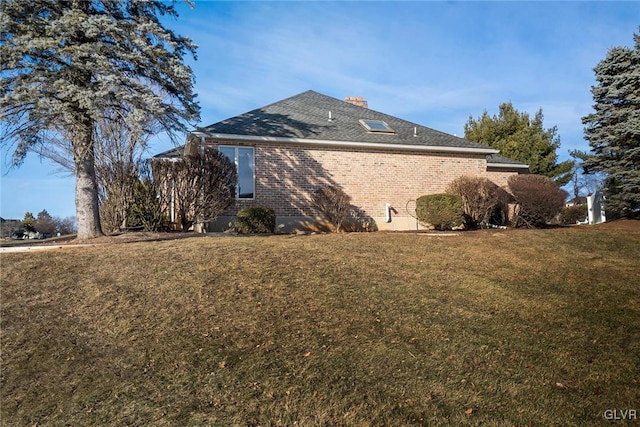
286 150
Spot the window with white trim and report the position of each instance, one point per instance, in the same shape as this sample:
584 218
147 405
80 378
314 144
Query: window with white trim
244 159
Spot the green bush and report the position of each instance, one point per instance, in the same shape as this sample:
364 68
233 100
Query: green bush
442 211
573 214
255 220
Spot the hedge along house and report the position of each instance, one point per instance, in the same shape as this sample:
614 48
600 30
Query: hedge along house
287 150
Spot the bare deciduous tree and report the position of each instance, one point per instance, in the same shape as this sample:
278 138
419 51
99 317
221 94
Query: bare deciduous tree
120 144
333 204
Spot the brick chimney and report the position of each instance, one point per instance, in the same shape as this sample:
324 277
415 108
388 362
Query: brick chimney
356 100
191 147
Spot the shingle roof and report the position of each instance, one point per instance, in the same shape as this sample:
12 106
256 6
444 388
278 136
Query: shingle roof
497 159
306 116
313 116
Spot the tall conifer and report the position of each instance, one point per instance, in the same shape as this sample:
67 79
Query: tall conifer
613 129
521 138
66 64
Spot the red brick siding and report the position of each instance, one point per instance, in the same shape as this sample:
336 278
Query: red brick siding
500 176
287 174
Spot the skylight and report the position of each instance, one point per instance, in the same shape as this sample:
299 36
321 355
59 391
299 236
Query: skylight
376 126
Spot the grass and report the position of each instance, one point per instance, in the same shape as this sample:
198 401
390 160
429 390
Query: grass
495 328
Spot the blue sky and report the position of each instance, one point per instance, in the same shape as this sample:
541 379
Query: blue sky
434 63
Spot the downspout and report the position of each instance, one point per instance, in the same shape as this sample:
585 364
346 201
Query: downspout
173 201
203 229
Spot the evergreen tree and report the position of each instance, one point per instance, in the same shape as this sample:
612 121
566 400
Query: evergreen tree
29 222
44 222
69 65
521 138
613 129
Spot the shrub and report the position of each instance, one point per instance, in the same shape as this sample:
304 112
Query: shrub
538 198
359 221
112 218
255 220
442 211
201 184
481 198
146 210
333 204
573 214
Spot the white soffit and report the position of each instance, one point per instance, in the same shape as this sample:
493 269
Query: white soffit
352 144
507 165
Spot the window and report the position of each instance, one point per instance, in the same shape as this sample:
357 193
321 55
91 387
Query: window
243 157
376 126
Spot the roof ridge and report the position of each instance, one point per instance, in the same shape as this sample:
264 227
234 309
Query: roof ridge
414 124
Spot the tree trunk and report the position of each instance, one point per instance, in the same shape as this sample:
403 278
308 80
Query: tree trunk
87 210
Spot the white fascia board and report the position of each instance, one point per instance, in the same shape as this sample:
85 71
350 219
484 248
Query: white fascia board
507 166
348 144
167 159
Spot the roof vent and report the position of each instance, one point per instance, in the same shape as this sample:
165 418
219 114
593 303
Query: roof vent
356 100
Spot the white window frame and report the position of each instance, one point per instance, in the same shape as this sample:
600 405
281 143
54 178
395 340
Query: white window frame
253 168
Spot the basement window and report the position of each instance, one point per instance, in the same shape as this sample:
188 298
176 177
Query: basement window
376 126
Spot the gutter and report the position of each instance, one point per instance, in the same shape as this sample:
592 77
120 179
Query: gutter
507 165
347 144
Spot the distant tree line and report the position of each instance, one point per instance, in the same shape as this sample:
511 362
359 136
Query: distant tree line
42 223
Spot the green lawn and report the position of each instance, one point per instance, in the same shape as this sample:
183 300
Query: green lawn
517 327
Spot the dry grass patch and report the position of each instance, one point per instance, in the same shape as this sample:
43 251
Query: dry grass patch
492 328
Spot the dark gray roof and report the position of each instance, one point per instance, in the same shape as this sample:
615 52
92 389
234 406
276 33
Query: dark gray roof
306 116
497 159
174 152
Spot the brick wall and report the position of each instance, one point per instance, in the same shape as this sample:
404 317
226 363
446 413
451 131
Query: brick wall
286 175
357 100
